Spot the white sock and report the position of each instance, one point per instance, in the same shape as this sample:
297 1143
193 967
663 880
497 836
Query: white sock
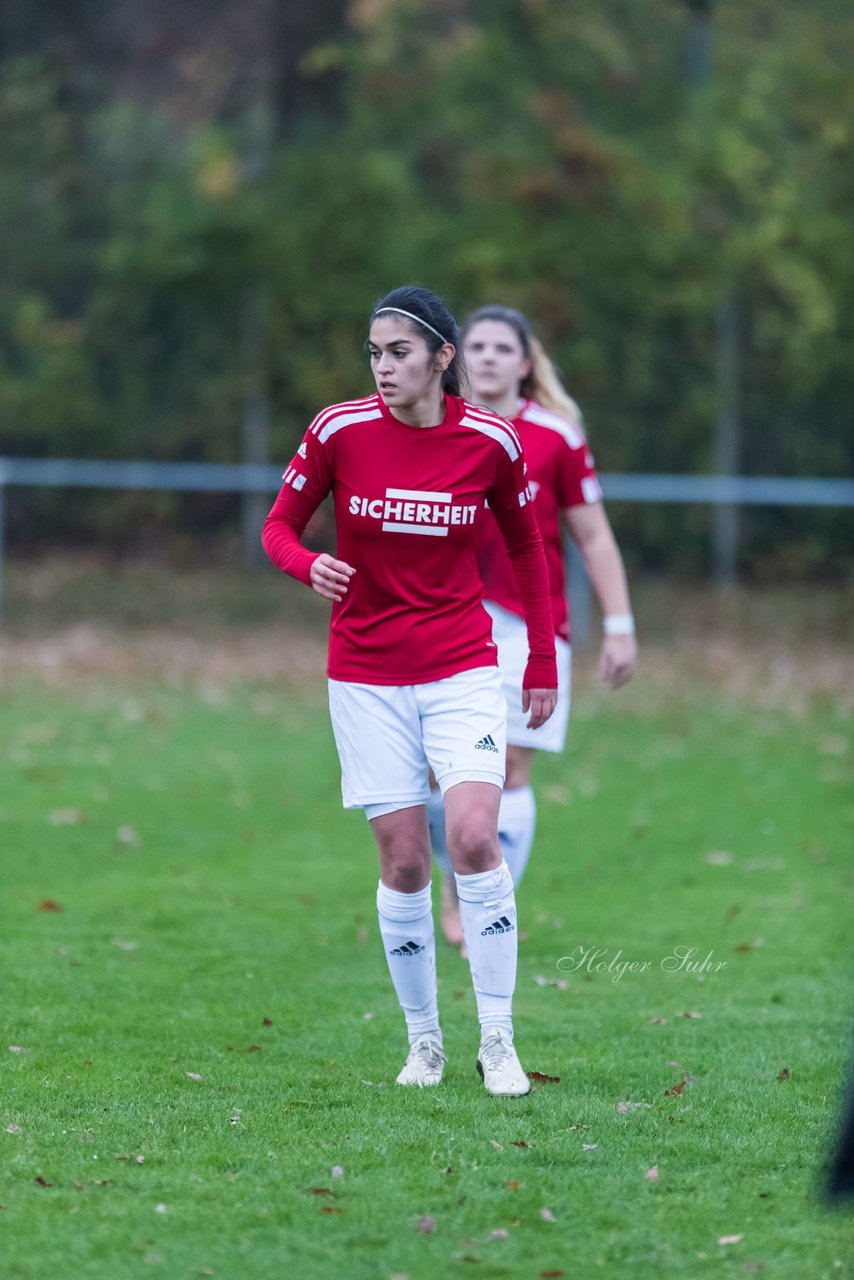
406 928
436 823
517 823
488 913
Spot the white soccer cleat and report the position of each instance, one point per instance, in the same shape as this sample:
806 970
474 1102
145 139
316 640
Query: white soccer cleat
425 1063
500 1067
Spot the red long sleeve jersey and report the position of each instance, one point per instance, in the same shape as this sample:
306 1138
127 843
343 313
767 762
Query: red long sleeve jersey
561 474
409 502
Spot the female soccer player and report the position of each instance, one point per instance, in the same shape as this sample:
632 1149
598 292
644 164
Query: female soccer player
412 664
510 373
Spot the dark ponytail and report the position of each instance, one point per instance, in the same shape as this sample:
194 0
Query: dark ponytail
434 323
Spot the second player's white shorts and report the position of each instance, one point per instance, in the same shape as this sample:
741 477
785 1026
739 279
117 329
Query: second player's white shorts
511 636
389 735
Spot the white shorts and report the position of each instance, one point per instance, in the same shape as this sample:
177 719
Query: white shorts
511 636
388 736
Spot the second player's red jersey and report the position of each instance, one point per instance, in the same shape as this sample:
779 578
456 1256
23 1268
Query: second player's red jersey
561 474
408 504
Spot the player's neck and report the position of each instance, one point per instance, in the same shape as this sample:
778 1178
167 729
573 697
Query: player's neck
506 406
429 411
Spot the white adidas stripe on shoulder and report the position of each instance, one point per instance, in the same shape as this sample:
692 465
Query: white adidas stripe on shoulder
571 431
490 424
330 420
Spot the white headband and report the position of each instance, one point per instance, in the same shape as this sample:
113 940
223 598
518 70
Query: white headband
417 320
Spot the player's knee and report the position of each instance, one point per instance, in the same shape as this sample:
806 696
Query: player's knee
473 843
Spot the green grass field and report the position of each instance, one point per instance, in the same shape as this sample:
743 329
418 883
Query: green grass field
200 1036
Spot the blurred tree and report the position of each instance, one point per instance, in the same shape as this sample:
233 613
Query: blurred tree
545 154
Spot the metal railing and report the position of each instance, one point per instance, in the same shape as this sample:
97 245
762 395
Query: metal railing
247 478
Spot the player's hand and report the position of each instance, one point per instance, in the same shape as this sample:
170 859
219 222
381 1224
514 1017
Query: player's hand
618 660
541 703
330 578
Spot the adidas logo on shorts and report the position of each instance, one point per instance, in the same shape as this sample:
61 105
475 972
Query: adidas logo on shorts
498 926
408 949
486 744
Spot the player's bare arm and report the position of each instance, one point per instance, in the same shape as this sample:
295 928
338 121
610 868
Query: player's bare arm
591 531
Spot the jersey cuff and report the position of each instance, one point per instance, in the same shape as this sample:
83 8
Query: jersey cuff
540 673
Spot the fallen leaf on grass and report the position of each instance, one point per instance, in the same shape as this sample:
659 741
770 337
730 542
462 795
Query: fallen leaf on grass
135 1159
319 1191
337 1171
427 1224
590 1146
41 1181
539 1078
124 944
193 1075
547 1215
128 835
18 1048
48 904
690 1013
161 1208
496 1145
14 1128
651 1175
718 858
518 1144
624 1108
551 1275
330 1208
266 1022
500 1233
658 1022
783 1073
677 1088
66 818
730 1239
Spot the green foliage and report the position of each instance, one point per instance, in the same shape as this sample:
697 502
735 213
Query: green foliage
552 156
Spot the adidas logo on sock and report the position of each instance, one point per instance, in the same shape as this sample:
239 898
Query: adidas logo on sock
408 949
486 744
498 926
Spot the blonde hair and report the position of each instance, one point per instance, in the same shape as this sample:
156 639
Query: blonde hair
543 383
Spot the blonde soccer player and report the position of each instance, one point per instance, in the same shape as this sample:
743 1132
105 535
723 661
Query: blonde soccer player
510 373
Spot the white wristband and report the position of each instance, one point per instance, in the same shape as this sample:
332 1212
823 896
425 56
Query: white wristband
618 624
